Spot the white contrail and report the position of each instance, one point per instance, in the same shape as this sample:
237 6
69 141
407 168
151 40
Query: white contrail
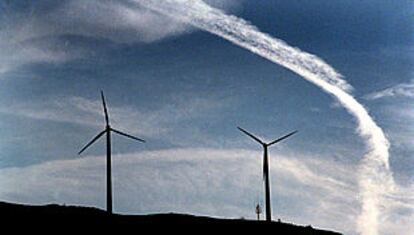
375 176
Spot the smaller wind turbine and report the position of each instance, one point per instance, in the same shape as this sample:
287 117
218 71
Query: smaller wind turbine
108 129
258 211
266 167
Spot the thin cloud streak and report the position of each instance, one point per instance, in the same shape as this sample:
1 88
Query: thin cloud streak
402 90
148 123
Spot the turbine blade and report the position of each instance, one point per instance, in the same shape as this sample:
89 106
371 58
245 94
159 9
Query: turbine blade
105 109
251 135
92 141
126 135
282 138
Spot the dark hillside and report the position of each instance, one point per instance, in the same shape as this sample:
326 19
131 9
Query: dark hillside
88 217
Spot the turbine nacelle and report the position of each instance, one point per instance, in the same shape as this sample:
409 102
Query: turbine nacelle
108 128
262 142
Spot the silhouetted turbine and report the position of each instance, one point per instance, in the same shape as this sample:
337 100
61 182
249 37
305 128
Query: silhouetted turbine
266 167
107 131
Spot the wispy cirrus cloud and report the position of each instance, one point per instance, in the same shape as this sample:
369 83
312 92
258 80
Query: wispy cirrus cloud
223 183
148 123
207 181
35 51
36 33
404 90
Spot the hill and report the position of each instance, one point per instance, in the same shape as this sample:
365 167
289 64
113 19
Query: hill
88 217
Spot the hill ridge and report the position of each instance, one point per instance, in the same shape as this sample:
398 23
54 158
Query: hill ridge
91 216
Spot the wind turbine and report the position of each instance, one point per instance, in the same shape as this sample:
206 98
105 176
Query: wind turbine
108 129
266 167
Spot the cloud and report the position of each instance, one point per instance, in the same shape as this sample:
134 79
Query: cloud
36 33
37 37
14 55
403 130
222 183
403 90
146 123
400 211
112 20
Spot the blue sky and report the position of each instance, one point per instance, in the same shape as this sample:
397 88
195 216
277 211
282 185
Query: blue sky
185 91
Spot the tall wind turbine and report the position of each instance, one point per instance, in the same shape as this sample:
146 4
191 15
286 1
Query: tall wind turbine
108 129
266 167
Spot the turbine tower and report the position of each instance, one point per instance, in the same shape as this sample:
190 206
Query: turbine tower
108 129
266 167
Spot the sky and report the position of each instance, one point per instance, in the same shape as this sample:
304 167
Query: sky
185 91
